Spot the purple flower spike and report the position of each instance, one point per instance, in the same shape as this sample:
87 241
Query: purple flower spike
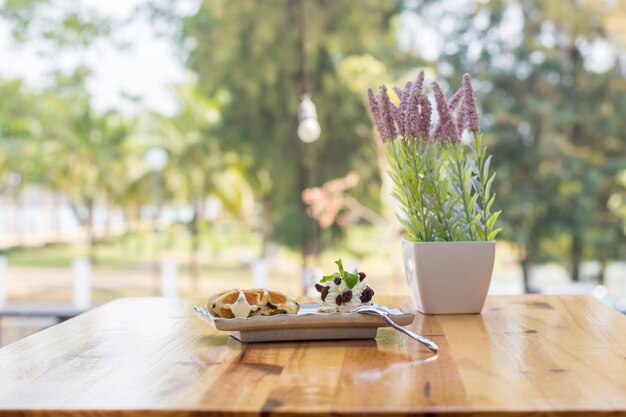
424 116
409 113
456 99
388 124
460 120
419 82
452 106
412 115
469 105
399 92
375 108
404 99
453 103
448 127
407 88
395 115
399 114
411 109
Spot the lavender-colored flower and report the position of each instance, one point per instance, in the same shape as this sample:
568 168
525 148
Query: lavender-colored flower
452 106
419 82
388 124
448 126
435 133
424 116
399 92
375 108
407 88
403 95
395 115
460 119
411 113
455 99
469 105
412 117
398 116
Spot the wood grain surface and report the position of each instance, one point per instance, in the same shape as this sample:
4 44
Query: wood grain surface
524 356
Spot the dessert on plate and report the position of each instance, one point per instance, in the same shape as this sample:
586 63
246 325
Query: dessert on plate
342 291
238 303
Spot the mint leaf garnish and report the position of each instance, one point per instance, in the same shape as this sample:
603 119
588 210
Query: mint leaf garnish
340 265
350 279
331 277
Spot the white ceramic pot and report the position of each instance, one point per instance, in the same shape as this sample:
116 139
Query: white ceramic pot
448 277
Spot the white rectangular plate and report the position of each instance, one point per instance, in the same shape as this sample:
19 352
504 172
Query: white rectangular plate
308 324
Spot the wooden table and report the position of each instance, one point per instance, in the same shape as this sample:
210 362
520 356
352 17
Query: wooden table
525 355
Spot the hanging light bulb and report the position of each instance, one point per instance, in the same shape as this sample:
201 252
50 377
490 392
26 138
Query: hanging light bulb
309 129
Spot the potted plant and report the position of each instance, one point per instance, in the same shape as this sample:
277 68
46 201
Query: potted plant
444 190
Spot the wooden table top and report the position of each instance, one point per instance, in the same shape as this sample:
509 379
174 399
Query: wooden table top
524 355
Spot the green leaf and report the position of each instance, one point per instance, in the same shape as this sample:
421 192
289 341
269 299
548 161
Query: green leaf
351 279
492 220
340 265
489 182
493 234
490 203
472 203
331 277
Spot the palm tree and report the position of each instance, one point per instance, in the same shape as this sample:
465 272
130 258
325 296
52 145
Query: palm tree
197 167
19 127
81 153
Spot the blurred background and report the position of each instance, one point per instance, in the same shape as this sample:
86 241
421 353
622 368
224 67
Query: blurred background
178 147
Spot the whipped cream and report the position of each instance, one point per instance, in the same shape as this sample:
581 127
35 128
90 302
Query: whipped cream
241 308
329 304
291 307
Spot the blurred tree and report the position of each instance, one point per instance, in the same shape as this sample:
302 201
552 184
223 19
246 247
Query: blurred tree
54 24
19 126
552 91
249 50
198 168
80 153
75 150
617 201
19 130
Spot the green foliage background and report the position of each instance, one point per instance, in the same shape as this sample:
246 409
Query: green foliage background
251 50
552 122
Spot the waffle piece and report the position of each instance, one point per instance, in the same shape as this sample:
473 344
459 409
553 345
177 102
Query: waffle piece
213 297
253 302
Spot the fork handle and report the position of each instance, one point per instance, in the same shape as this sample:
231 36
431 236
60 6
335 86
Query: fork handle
426 342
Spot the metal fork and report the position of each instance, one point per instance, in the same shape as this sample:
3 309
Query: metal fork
385 315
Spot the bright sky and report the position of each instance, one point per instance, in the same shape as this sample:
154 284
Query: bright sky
148 69
151 66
